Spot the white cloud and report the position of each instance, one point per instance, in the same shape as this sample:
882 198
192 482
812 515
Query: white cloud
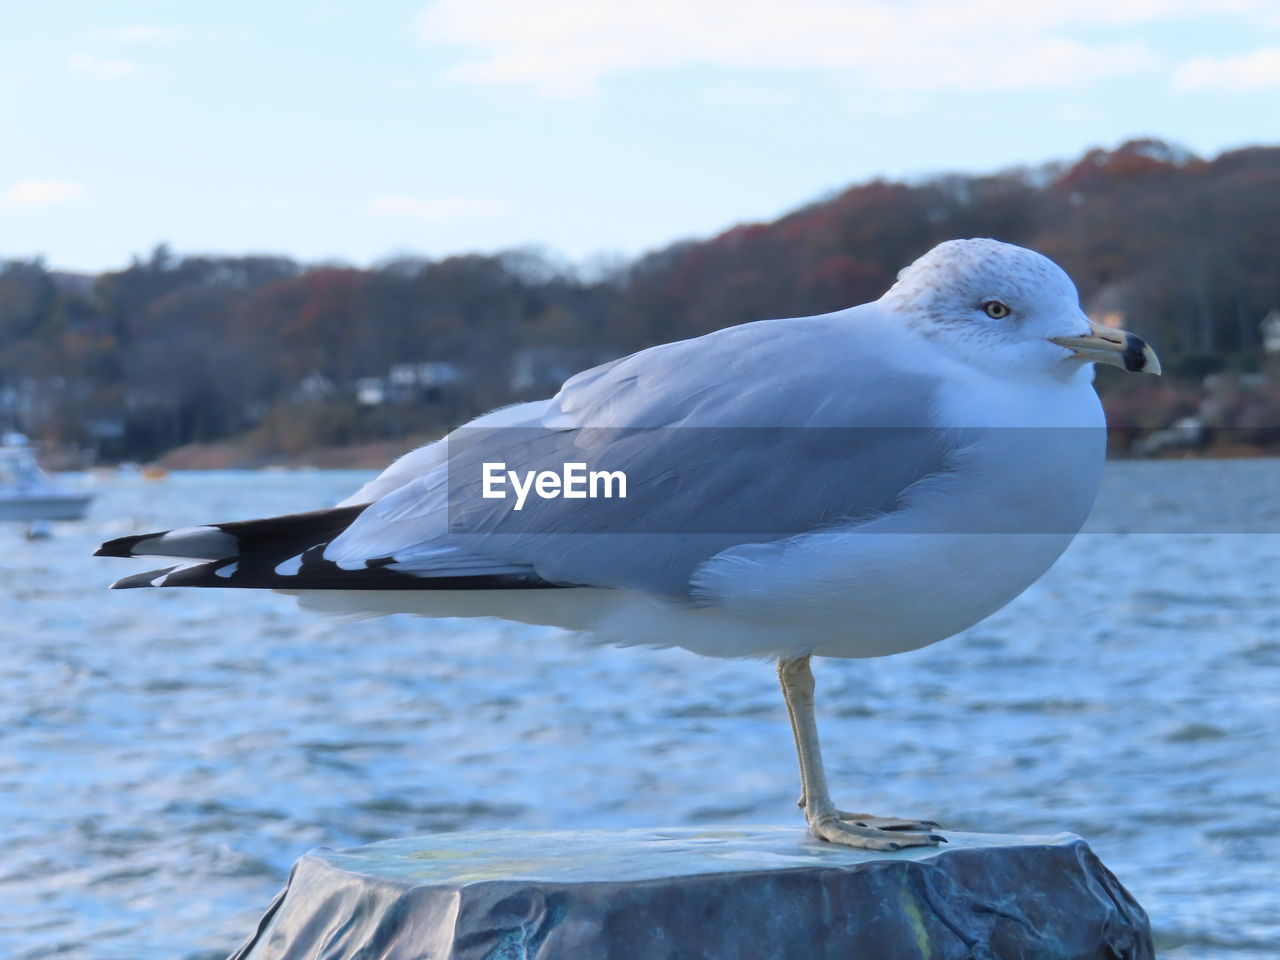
746 94
566 47
1075 113
438 210
33 194
103 68
1259 70
141 33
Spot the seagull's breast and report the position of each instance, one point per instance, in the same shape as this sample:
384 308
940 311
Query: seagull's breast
964 542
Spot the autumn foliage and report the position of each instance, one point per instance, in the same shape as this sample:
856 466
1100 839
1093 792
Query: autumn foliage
176 349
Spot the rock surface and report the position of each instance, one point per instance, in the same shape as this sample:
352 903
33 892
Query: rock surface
711 894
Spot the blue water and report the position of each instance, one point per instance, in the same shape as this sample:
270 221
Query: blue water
165 755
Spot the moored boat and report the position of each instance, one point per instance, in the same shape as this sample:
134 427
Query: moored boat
28 493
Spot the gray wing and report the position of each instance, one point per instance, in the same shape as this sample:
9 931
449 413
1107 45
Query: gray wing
748 435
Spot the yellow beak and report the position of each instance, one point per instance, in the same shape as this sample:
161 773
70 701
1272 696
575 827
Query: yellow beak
1116 347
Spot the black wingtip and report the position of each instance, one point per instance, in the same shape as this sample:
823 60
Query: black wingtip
121 546
139 579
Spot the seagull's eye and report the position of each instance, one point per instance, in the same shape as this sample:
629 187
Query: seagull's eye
996 310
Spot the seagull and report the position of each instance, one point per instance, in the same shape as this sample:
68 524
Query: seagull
855 484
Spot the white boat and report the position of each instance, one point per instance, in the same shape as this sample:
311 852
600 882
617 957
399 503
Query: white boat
28 493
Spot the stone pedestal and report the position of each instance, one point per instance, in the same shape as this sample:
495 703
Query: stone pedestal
718 893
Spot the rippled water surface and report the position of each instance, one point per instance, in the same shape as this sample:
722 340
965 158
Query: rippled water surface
165 755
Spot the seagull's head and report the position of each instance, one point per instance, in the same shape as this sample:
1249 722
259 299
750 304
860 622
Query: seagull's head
1009 308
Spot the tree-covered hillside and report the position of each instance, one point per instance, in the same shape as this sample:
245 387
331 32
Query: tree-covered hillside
175 349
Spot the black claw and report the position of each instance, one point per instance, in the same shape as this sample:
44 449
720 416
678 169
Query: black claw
938 837
895 846
858 823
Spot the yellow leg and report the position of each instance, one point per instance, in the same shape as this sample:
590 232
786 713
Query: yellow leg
825 821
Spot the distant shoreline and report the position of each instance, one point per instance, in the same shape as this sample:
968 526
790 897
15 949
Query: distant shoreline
232 455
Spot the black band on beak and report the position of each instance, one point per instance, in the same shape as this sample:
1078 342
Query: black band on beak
1135 357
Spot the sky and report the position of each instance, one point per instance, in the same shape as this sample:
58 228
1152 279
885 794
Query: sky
593 129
